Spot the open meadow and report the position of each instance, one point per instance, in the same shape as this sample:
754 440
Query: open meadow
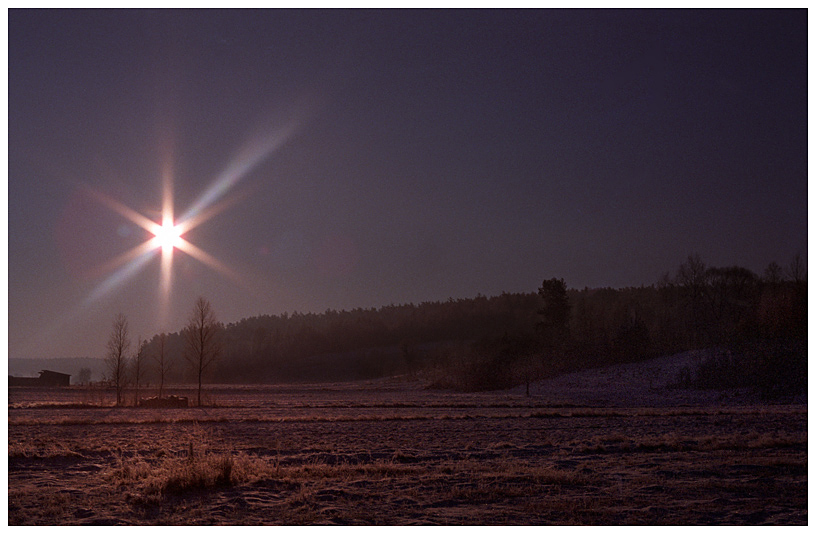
608 446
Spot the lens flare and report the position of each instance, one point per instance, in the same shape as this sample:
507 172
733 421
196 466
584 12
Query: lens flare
167 237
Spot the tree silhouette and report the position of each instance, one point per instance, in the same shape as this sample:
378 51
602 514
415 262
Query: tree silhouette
116 357
796 271
692 279
84 376
773 273
732 291
201 335
554 314
692 276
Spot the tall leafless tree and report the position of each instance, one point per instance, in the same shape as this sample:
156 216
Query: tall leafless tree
692 276
797 271
162 361
773 273
84 377
201 335
692 280
116 357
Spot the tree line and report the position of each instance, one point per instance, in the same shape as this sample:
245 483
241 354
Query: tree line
513 338
202 348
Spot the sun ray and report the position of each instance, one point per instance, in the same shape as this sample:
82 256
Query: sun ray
166 274
124 258
250 157
129 213
165 285
210 261
124 273
167 193
210 212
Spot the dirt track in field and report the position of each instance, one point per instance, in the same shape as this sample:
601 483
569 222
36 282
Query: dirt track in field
577 451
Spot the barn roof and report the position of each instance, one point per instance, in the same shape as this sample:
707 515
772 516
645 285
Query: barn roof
46 372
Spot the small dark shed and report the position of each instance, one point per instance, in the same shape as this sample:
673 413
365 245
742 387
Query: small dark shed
47 379
55 379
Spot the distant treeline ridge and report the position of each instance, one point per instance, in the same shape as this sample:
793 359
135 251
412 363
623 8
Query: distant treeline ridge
493 342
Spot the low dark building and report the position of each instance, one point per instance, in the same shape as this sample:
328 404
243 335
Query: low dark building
47 379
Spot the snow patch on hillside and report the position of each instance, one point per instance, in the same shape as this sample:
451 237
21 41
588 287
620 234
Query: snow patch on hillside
647 383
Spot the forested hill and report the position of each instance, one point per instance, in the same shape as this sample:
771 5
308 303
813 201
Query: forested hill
493 342
501 341
360 343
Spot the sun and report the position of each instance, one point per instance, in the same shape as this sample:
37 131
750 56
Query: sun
168 236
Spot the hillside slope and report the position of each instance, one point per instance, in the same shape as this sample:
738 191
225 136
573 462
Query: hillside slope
647 383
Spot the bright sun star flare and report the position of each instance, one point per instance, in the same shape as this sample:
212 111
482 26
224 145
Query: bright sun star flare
168 236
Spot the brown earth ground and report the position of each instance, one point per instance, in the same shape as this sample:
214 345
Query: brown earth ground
614 446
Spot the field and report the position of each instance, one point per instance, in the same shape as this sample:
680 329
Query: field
615 446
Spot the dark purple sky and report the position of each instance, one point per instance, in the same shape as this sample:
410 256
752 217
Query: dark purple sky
369 158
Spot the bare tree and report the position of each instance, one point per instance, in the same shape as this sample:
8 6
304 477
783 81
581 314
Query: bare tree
773 273
201 335
162 361
797 271
139 366
84 377
692 280
692 276
116 357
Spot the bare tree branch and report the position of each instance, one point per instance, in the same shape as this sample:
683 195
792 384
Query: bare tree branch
201 335
116 357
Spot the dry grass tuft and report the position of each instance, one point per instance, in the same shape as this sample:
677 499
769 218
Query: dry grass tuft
206 472
198 466
174 474
41 450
